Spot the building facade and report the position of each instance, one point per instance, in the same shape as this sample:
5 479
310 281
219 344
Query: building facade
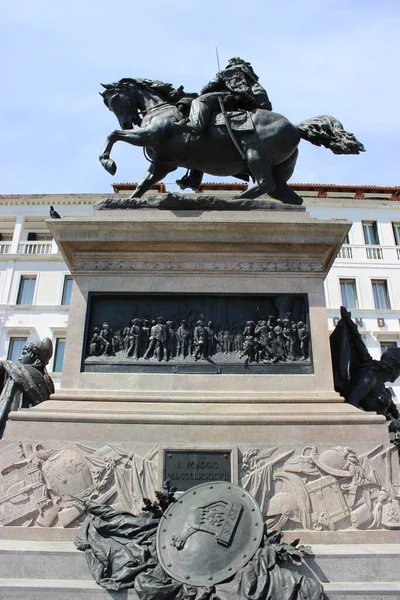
35 284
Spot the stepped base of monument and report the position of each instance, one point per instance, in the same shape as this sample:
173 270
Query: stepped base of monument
58 571
188 421
278 451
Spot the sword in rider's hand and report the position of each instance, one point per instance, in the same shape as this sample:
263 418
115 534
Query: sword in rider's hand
227 122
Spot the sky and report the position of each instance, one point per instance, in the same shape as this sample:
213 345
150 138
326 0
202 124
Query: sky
338 57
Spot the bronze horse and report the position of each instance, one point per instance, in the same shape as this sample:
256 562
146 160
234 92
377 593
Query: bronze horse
270 147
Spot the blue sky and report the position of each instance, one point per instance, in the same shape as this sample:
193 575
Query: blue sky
336 57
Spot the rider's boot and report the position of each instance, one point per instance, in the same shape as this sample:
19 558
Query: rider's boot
184 126
199 116
191 179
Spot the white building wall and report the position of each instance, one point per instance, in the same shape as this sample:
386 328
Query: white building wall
46 316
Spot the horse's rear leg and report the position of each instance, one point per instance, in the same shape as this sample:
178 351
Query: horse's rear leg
282 173
156 172
261 172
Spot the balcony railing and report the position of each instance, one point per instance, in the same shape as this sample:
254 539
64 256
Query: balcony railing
345 252
5 247
364 252
31 247
34 248
374 252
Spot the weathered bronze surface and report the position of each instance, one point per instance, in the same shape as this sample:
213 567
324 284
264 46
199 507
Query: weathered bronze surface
27 383
197 332
209 534
179 129
186 469
360 379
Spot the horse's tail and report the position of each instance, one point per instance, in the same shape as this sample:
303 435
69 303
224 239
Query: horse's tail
328 131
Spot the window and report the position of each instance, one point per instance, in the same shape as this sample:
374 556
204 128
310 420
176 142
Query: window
346 239
15 348
370 233
5 243
380 292
26 290
67 288
59 355
385 345
396 233
33 236
348 291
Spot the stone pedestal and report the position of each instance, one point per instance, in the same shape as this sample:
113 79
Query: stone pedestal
321 470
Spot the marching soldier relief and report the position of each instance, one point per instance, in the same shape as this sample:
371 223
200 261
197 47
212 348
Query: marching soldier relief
197 329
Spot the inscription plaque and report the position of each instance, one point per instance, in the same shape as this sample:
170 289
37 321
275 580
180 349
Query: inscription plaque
186 469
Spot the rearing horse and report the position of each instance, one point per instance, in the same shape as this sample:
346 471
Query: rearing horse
270 147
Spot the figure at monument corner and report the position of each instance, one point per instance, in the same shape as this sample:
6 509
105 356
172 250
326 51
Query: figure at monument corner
25 384
358 377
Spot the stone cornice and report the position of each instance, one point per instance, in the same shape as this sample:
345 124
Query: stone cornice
209 241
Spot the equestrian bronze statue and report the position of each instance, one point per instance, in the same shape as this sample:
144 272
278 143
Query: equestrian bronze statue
228 130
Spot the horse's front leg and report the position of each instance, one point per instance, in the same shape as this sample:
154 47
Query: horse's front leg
156 172
109 165
130 136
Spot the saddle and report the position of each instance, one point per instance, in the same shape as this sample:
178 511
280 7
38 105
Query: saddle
240 120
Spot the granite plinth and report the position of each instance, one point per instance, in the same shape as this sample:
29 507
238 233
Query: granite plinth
200 253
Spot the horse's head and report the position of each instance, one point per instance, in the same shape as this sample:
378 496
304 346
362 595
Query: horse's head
129 97
121 101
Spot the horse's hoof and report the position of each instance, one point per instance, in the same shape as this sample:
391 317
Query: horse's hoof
109 165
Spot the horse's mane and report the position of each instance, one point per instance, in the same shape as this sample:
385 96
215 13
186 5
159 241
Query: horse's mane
166 90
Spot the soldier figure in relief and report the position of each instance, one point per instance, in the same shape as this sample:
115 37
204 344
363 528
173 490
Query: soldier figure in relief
303 337
171 340
135 339
106 337
200 339
183 335
158 340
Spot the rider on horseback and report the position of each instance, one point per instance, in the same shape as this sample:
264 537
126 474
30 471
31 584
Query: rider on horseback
237 85
266 151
